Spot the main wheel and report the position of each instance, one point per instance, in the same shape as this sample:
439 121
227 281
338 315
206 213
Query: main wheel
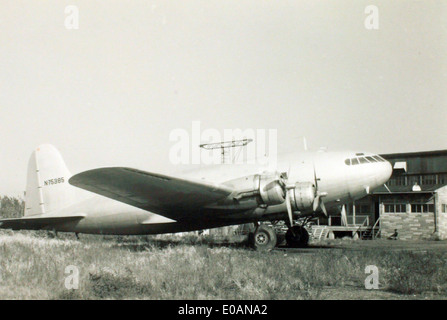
297 237
263 238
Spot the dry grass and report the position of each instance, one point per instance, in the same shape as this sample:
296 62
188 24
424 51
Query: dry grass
167 267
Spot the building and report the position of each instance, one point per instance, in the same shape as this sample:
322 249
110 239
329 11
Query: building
413 202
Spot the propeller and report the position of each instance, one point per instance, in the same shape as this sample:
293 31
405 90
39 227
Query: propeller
282 181
287 188
318 201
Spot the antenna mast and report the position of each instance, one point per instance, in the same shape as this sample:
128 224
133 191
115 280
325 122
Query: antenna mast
224 146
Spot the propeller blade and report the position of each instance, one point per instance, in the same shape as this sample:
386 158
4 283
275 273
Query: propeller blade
316 202
289 209
323 207
315 178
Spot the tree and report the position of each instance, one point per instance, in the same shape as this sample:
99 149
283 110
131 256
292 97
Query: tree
11 207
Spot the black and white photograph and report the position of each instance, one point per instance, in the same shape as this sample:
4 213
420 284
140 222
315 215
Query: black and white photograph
220 155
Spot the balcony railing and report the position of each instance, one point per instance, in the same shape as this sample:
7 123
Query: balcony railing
359 220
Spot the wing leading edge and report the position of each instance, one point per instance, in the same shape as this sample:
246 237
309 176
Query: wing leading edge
171 197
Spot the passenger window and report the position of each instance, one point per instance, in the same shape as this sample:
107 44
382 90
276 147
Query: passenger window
354 161
348 162
363 160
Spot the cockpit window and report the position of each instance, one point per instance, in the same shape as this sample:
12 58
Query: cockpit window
363 160
379 158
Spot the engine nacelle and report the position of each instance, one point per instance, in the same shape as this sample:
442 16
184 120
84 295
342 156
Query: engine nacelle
302 196
271 189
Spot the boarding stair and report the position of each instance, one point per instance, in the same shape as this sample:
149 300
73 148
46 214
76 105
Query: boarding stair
319 232
373 232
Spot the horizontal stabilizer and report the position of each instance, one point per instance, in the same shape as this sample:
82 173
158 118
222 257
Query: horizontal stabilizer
37 223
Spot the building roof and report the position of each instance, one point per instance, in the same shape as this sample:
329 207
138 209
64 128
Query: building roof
426 162
414 154
408 189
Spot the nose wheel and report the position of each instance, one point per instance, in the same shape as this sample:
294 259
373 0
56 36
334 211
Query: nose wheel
263 238
297 237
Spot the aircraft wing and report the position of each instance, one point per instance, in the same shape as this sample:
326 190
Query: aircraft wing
37 223
171 197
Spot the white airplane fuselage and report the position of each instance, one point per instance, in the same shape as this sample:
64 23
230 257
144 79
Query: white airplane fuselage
341 181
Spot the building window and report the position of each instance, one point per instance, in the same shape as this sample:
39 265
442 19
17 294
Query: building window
396 208
401 181
419 207
413 179
428 179
362 208
442 178
397 181
444 208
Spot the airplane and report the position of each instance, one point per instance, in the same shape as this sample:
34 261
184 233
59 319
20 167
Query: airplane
128 201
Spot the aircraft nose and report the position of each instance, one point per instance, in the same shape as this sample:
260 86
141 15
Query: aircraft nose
385 172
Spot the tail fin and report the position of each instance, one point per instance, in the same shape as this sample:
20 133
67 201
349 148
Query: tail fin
47 186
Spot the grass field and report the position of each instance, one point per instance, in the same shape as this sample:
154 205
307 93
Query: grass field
33 266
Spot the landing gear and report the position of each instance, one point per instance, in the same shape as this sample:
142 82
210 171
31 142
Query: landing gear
297 237
263 238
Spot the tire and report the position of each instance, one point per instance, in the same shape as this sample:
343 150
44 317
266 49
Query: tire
263 238
297 237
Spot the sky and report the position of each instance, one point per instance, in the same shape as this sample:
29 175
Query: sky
112 91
